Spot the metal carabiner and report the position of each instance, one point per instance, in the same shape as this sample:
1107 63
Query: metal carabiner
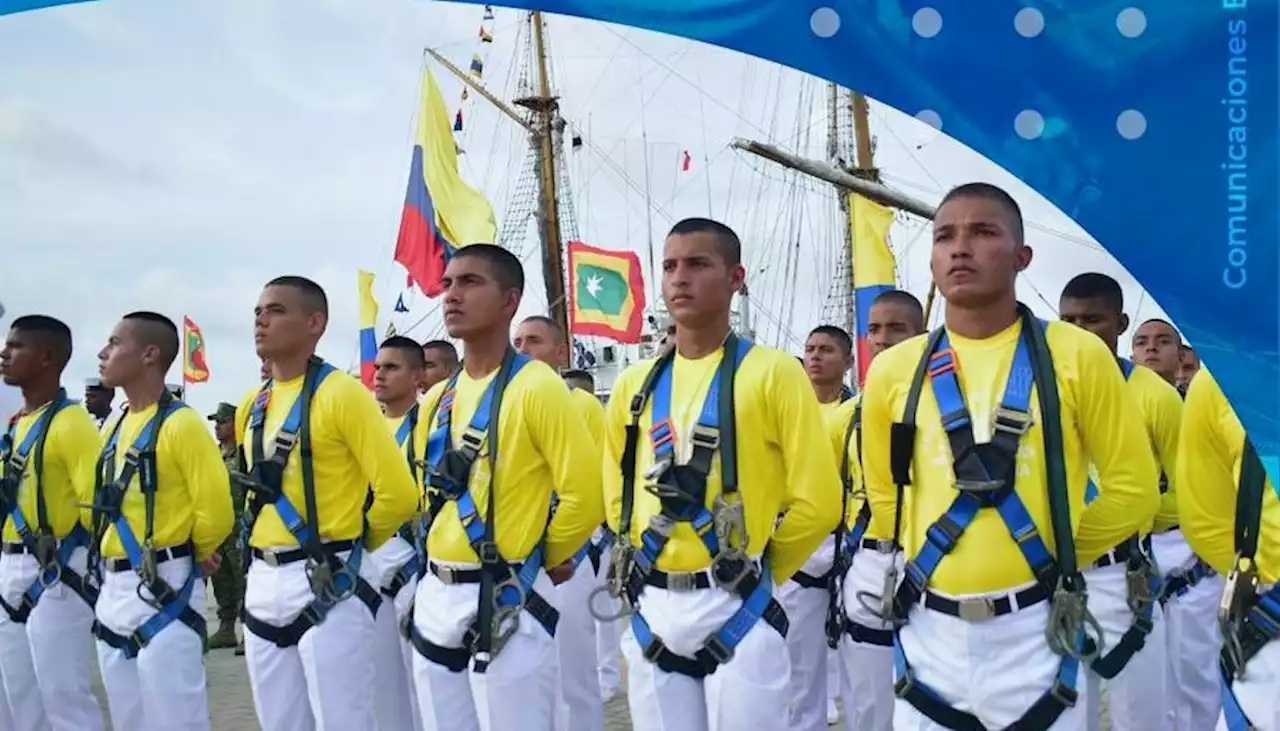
624 606
1069 625
50 575
729 568
730 524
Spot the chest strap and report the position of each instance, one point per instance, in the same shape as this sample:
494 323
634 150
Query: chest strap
332 579
506 589
986 479
171 605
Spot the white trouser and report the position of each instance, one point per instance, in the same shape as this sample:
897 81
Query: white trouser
517 691
751 691
1137 694
46 662
579 706
608 634
325 682
833 676
163 688
994 669
867 690
1193 684
6 714
807 641
1258 692
395 703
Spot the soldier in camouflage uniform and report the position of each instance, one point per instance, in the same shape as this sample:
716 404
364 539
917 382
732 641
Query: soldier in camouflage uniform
228 580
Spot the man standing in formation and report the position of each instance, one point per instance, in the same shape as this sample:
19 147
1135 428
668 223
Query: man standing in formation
97 400
228 580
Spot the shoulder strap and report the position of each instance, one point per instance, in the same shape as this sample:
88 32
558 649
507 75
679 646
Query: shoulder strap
902 434
42 510
629 451
1046 385
411 419
735 351
147 467
1249 501
315 374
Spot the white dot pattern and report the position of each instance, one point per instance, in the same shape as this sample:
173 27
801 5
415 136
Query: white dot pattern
1029 124
927 22
930 117
1131 22
1131 124
825 22
1029 22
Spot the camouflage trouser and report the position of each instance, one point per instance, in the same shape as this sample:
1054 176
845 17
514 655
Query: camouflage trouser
228 580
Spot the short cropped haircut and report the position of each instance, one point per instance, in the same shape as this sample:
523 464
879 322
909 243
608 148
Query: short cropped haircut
907 300
1163 322
442 346
410 349
157 330
730 245
313 296
1092 285
837 334
52 332
552 324
995 194
580 375
505 266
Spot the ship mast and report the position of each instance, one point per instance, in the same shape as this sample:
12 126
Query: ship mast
547 123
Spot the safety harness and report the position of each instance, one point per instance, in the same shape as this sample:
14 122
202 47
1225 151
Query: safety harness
140 462
682 490
985 479
506 589
411 532
332 579
1143 583
827 580
1248 618
849 539
52 556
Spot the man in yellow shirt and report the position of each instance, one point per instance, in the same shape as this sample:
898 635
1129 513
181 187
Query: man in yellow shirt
504 438
47 453
327 487
867 551
580 705
441 362
977 442
1188 365
1230 512
815 667
732 438
1191 588
604 609
398 375
161 509
1124 584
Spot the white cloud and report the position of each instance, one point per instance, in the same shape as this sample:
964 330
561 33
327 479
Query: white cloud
174 157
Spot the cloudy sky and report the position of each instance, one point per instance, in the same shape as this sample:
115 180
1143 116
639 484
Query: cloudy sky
175 156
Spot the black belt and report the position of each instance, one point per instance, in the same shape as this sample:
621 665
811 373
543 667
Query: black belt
272 557
1120 554
450 575
15 548
118 565
863 634
981 608
809 581
678 581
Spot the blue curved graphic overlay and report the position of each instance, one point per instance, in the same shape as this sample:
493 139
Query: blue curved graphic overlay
1152 124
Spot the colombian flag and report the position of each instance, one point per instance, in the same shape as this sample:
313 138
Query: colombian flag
194 367
441 212
606 293
873 267
368 321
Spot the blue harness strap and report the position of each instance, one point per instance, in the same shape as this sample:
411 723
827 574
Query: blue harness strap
411 569
985 479
52 555
682 490
140 463
333 579
506 589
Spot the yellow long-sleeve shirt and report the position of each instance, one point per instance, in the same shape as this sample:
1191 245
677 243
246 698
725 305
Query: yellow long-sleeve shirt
784 462
1210 448
418 438
592 412
1160 408
838 427
352 454
1097 426
192 500
543 447
67 476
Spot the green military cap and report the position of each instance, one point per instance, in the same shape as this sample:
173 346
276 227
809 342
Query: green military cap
224 413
